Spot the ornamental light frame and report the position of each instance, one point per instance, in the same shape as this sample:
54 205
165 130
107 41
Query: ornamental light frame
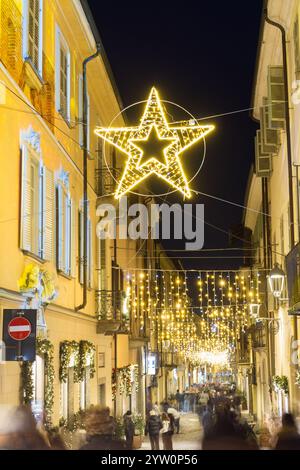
125 139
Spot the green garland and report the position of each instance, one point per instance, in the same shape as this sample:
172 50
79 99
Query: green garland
66 350
86 350
124 375
281 383
27 388
45 347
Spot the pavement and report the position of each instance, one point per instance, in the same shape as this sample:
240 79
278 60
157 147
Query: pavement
190 435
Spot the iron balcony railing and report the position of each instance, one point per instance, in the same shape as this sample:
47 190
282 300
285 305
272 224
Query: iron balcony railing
106 178
259 336
110 305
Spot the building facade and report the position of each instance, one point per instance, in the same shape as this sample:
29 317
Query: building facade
272 214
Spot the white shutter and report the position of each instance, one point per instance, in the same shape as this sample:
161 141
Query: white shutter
81 228
73 240
26 202
68 221
60 229
90 254
88 126
80 109
48 215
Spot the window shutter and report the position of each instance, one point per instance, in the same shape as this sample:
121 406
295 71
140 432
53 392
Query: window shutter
73 240
88 124
48 215
34 31
80 109
90 255
26 202
60 229
81 227
68 221
41 211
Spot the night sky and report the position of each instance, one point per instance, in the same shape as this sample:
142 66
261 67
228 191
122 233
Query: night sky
201 56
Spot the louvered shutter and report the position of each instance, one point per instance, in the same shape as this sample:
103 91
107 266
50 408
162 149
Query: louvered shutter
68 222
81 227
90 254
80 109
34 31
88 125
48 215
73 240
60 229
26 202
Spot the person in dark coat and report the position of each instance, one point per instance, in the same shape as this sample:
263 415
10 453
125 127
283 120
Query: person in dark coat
153 427
129 429
100 428
288 437
224 434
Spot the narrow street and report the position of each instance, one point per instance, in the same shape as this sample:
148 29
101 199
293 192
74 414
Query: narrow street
190 435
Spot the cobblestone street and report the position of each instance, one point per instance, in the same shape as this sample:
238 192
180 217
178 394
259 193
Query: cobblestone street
190 435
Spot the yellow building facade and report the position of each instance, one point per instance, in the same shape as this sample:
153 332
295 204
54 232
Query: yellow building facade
42 48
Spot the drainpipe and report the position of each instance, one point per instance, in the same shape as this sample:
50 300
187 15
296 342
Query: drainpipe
288 137
85 182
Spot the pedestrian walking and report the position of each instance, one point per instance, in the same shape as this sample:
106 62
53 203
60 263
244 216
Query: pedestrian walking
167 431
288 437
18 430
186 406
153 427
176 415
203 400
100 429
156 409
129 429
180 400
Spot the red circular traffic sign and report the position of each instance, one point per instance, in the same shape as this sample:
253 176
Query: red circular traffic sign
19 328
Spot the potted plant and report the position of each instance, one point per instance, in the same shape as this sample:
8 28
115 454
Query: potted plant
139 429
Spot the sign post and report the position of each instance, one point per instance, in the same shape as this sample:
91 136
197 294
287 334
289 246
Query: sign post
19 334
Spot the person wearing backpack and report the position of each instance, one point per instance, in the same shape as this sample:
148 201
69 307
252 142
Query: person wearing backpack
153 427
167 431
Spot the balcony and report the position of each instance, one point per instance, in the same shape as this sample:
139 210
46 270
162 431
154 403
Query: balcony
105 181
259 336
111 315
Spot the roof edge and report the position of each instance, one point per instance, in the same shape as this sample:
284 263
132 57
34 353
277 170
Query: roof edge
90 18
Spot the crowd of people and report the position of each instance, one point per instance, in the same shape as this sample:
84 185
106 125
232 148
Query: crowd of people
219 411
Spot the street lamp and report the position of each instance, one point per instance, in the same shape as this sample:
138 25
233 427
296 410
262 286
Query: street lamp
254 310
276 281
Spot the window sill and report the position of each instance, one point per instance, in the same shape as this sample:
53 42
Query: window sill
34 256
90 289
67 122
65 275
32 76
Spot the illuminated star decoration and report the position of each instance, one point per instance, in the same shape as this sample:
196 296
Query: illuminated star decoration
173 140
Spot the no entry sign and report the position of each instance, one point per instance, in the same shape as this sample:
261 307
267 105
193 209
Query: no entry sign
19 328
19 334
